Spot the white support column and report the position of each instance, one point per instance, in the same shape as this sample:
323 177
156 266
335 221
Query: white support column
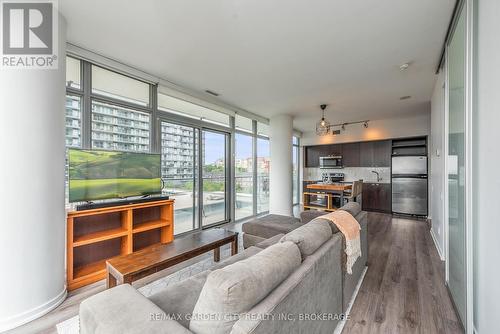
281 132
32 213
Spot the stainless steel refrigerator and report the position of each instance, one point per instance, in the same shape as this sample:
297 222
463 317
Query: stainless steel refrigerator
409 185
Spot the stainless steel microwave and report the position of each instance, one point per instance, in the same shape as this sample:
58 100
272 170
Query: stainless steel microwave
331 161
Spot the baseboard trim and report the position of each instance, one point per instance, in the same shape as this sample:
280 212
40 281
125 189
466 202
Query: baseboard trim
36 312
341 324
436 244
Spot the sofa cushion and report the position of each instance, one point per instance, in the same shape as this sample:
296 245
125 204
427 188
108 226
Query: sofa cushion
270 225
308 215
333 227
123 309
250 251
236 288
352 207
269 242
310 236
179 298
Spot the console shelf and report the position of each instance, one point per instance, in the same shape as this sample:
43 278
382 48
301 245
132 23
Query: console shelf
94 236
150 225
99 236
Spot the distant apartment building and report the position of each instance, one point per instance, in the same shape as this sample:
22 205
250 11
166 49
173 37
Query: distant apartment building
177 149
120 129
73 121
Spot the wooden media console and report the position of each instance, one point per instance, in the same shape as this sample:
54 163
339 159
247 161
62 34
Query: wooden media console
96 235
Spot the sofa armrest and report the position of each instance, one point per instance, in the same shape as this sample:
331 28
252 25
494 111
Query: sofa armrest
124 310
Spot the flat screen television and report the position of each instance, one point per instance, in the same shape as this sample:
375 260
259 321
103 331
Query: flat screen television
97 174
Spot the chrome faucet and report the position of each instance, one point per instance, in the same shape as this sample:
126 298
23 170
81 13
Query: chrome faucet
378 175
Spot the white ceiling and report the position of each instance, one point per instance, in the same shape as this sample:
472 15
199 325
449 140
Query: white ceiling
281 56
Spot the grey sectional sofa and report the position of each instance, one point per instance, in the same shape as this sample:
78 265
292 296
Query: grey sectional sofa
278 286
269 229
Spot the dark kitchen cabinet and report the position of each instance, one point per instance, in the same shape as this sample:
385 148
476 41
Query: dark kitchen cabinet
375 153
382 153
351 155
313 153
335 149
377 197
362 154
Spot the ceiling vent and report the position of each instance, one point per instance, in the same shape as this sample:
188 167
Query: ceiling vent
211 92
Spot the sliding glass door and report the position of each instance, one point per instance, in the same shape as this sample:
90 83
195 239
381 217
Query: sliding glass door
457 241
180 151
243 166
215 168
179 168
263 167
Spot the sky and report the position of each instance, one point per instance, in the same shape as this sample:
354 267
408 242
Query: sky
215 144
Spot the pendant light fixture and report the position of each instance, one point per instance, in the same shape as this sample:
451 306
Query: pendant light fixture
323 126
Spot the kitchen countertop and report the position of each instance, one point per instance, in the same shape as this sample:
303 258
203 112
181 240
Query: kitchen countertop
332 187
384 181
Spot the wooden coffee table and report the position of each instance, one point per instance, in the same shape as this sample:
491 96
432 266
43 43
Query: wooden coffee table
131 267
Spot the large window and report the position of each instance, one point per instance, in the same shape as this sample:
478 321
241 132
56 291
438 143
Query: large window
263 166
243 124
73 103
262 129
243 166
186 109
295 170
106 109
73 73
120 87
118 128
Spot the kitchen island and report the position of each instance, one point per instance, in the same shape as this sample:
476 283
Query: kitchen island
323 196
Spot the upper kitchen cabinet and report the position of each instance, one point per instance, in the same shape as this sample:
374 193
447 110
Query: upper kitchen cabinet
362 154
351 155
313 153
375 153
409 146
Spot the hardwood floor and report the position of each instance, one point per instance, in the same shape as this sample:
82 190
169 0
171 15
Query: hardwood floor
403 290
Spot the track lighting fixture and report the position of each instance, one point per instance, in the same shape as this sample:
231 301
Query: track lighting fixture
323 127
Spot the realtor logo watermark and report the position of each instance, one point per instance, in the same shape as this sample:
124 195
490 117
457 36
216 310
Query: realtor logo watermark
29 34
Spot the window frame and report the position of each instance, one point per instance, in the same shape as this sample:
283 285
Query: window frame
296 146
256 175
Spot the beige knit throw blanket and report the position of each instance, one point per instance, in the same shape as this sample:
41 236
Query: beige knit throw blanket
350 228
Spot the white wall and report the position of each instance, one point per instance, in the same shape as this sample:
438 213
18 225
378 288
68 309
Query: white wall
486 162
437 172
32 239
415 125
280 136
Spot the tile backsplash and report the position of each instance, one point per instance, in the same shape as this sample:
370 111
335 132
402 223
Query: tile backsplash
351 173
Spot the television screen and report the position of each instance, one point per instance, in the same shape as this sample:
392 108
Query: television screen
95 174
